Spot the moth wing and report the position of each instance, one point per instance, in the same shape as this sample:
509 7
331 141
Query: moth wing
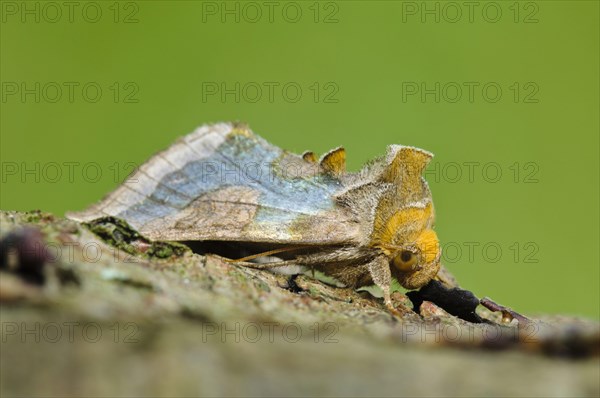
223 182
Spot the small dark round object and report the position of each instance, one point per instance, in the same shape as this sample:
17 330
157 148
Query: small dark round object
406 256
28 246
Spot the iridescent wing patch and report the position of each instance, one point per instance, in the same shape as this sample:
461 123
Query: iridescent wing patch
222 182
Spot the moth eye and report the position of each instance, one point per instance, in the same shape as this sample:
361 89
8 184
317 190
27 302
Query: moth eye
406 256
405 261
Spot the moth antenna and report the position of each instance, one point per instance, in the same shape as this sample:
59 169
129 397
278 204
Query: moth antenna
263 254
284 263
389 247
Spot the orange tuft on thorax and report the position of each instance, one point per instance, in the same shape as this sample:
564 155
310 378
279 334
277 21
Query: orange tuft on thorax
429 245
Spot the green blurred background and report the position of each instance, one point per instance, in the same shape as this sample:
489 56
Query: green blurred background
362 67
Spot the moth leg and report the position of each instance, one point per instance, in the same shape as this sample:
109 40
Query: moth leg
292 286
382 277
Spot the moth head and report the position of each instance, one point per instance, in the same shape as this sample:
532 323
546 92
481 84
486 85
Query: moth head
409 241
417 262
403 219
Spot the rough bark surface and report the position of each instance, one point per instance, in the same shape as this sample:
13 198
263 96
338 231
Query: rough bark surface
99 310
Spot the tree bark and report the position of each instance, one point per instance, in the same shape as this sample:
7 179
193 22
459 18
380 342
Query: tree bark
99 310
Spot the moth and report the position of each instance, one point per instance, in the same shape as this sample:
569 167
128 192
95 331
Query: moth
223 183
